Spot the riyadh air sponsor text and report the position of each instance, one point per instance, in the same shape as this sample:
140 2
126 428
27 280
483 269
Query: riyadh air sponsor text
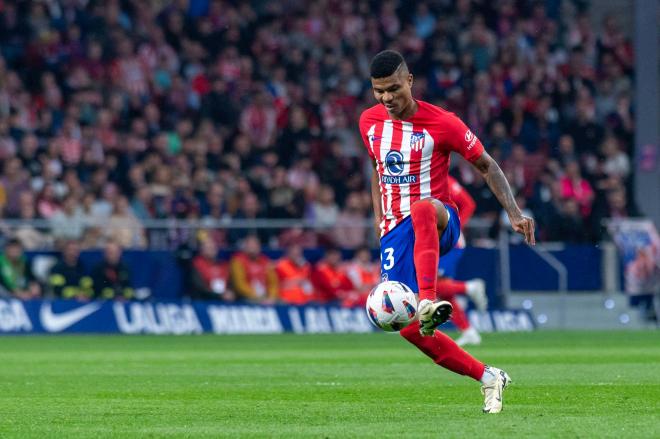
398 179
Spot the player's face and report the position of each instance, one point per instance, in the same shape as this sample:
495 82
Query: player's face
394 92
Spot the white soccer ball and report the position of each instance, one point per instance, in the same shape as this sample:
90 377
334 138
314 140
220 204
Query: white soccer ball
391 306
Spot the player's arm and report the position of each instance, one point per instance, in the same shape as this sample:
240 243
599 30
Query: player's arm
364 124
461 140
498 183
375 198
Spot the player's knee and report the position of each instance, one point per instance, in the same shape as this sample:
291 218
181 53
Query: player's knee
423 214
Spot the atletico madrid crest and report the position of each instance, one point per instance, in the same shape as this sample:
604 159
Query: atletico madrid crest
417 141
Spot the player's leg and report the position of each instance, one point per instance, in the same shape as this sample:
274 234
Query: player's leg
448 289
429 221
441 348
446 353
475 289
469 334
397 264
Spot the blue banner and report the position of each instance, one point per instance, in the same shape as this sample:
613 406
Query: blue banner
170 317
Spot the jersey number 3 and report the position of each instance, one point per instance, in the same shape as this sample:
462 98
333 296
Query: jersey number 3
388 253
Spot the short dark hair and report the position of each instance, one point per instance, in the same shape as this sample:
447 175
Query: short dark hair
386 63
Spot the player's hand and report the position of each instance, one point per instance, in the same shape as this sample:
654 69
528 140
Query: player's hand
525 226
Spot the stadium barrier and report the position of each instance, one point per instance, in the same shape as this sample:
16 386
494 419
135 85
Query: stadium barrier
160 272
179 318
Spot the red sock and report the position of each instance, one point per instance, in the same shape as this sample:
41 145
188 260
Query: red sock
458 316
427 250
448 288
444 352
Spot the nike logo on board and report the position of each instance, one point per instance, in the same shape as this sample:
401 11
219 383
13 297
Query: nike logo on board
52 322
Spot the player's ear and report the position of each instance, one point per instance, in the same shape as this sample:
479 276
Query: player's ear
410 79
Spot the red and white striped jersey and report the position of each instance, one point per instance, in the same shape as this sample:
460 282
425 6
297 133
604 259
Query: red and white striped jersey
412 156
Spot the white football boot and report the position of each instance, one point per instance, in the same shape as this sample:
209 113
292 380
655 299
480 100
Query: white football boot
475 289
469 337
432 314
493 382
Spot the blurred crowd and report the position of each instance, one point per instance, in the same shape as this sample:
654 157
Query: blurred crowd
114 113
247 276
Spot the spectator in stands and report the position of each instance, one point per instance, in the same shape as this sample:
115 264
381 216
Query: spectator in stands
616 205
573 186
568 226
330 281
249 210
349 231
141 203
487 205
14 181
293 273
111 277
252 274
15 273
284 200
258 120
128 100
69 222
124 227
213 204
546 202
67 278
47 203
30 237
516 168
324 210
615 162
209 278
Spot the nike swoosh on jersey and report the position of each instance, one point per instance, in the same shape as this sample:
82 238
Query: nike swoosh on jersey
52 322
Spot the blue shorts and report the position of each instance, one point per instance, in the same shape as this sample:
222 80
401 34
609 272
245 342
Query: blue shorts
448 265
396 249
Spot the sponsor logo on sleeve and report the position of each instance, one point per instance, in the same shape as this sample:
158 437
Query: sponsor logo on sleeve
470 138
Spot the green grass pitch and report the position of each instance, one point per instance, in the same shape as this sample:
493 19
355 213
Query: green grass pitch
566 384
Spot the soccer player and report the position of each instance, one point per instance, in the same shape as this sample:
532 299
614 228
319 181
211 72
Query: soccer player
447 287
409 142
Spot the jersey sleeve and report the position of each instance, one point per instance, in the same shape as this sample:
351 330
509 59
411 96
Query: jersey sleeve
460 139
365 126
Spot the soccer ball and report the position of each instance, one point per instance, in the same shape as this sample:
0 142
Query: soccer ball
391 306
